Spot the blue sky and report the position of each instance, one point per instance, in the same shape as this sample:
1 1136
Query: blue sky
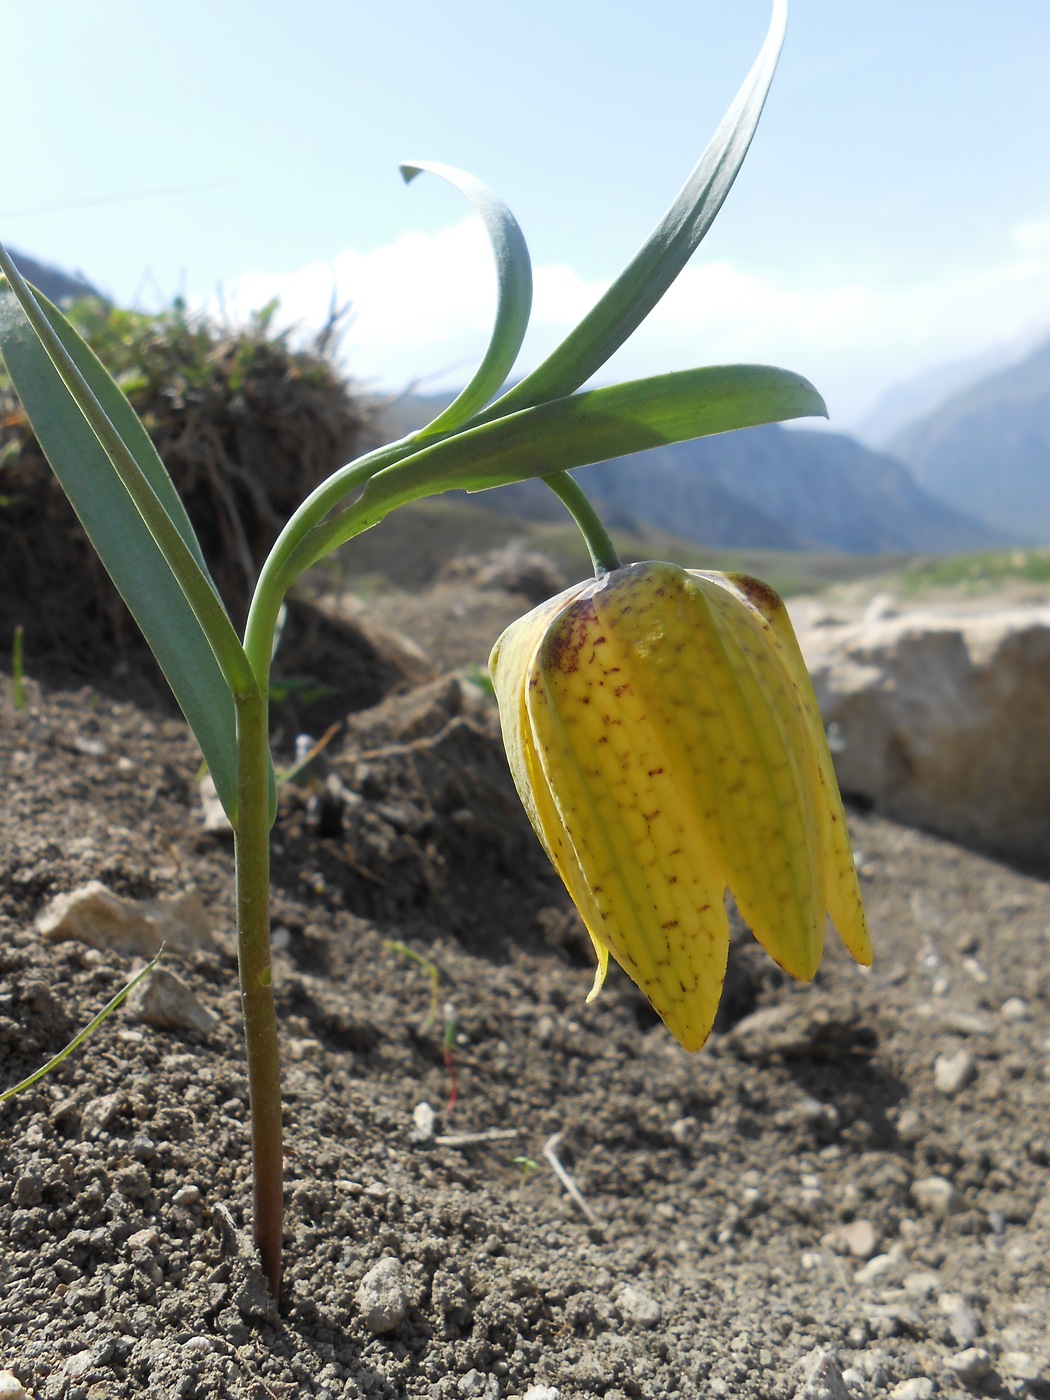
894 212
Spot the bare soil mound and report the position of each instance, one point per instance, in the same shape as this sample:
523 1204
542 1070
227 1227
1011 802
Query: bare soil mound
850 1179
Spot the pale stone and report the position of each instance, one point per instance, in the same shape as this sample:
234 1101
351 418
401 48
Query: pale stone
382 1296
163 1000
857 1238
423 1119
940 720
94 915
917 1388
952 1073
937 1196
971 1366
638 1307
821 1378
11 1388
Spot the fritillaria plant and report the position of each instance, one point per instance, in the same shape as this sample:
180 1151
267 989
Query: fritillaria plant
541 427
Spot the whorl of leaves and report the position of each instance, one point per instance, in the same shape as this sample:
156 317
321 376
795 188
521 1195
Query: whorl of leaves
246 425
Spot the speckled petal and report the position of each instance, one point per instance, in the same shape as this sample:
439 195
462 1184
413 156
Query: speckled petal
658 894
843 895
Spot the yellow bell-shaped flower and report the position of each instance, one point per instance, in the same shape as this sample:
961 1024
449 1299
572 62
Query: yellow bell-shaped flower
665 741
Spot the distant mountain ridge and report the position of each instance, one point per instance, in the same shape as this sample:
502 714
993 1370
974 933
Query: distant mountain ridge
760 488
986 451
56 285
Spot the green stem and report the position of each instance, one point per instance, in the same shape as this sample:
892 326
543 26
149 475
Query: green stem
18 667
252 856
603 552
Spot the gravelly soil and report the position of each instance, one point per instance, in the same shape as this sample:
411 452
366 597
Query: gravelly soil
803 1186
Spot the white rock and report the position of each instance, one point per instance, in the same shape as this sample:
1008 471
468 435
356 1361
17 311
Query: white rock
937 1196
918 1388
821 1378
11 1388
542 1392
971 1366
382 1296
423 1117
952 1073
941 720
97 1114
163 1000
94 915
638 1308
79 1364
474 1385
875 1269
1022 1366
857 1238
1015 1009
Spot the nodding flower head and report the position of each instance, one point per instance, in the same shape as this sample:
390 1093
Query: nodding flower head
666 744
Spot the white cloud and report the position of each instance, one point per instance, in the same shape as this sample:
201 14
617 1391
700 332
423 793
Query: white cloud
423 305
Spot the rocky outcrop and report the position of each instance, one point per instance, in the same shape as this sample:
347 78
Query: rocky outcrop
941 720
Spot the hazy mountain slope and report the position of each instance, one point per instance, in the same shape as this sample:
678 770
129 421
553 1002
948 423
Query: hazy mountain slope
822 489
682 502
987 450
762 488
905 403
56 285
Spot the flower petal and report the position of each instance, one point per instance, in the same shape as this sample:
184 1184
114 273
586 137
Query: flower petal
734 735
509 664
659 897
843 890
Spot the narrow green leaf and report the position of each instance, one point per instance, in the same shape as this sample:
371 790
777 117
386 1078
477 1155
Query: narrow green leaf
514 293
125 546
83 1035
667 250
63 347
575 432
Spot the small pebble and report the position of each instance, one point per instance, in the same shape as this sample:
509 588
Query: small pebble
937 1196
477 1386
918 1388
1021 1366
187 1196
875 1269
964 1324
164 1001
857 1238
79 1364
972 1366
542 1392
952 1073
821 1378
1015 1009
638 1307
423 1117
382 1296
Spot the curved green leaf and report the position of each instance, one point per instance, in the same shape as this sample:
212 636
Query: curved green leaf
123 541
575 432
667 250
514 293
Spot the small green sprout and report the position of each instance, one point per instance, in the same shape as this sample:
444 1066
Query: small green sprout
527 1167
542 426
436 1012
